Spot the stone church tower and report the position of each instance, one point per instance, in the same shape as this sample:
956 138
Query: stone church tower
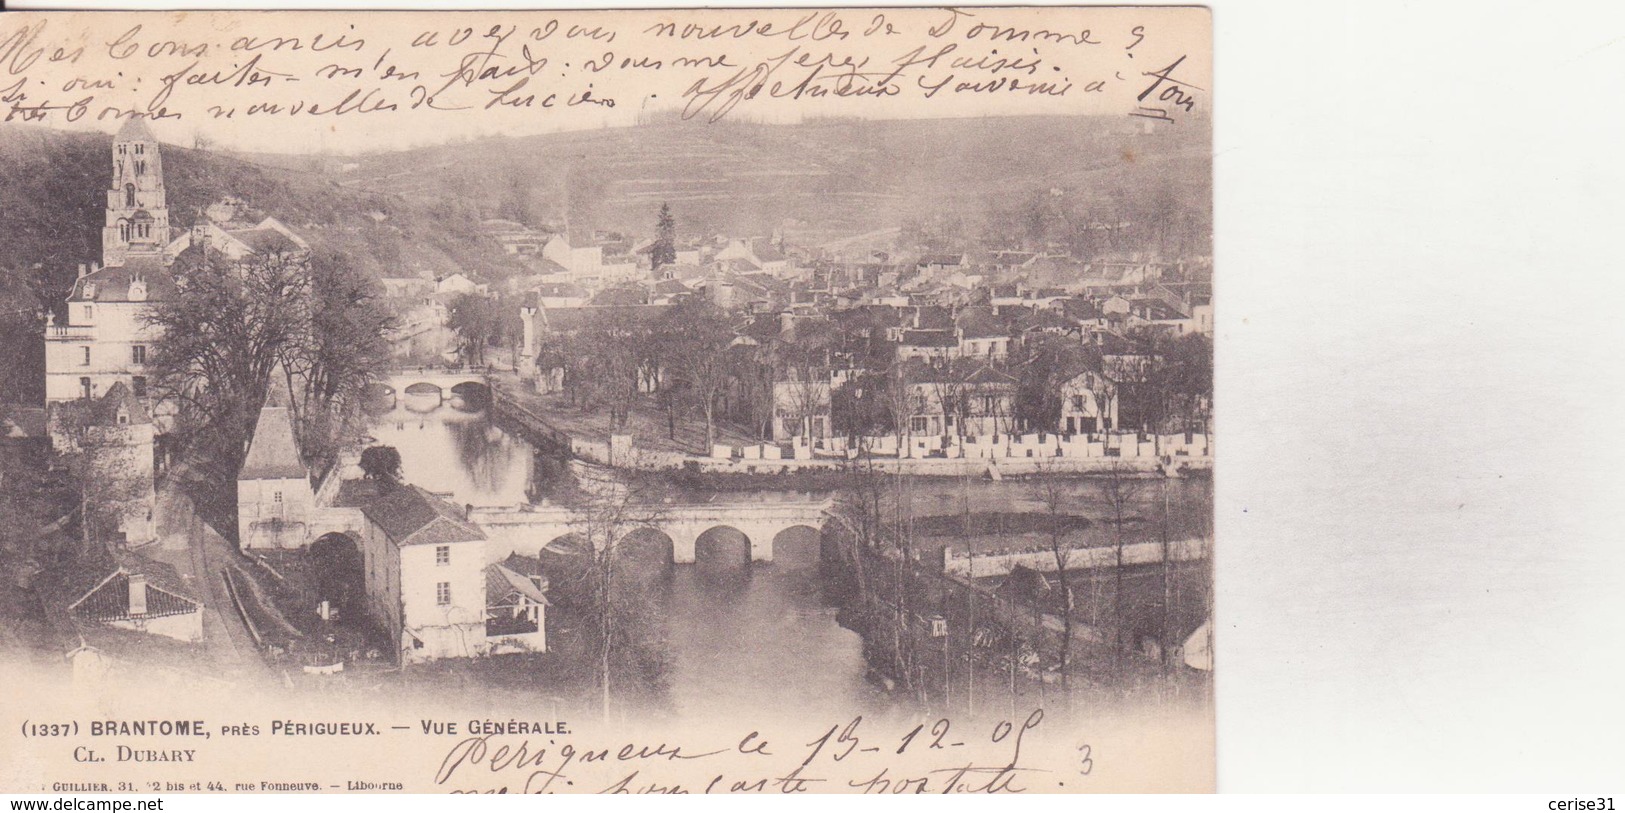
137 214
106 337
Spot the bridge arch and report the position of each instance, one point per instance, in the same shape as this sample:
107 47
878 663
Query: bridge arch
472 395
722 546
569 543
798 544
648 545
423 396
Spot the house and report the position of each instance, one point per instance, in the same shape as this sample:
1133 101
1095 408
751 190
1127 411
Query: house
406 288
983 334
931 345
962 399
516 238
424 565
1202 317
941 262
516 605
274 499
107 335
116 433
755 254
123 591
460 283
265 238
574 254
24 427
801 407
1088 403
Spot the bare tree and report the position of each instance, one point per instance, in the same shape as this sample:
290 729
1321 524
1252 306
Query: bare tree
221 336
101 454
901 400
698 349
1052 494
608 511
341 356
806 393
1119 488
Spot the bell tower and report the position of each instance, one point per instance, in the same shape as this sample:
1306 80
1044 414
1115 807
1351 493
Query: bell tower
137 215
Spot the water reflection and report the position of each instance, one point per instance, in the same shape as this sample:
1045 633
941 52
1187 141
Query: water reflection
760 636
445 449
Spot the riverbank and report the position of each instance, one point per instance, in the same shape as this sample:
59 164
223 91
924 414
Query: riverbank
1018 456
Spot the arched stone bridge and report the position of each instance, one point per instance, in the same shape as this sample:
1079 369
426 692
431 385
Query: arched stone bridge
528 529
434 382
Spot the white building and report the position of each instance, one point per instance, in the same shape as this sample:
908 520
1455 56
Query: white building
274 499
425 574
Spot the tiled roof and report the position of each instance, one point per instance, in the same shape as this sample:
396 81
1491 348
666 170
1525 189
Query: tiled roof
765 251
408 515
135 129
929 338
266 241
501 581
112 284
980 323
273 454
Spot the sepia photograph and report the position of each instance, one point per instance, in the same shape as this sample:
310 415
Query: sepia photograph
387 395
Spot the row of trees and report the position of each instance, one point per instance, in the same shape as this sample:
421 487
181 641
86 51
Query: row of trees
693 362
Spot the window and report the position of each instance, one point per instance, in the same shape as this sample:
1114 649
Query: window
1077 403
124 230
129 195
138 353
138 385
442 594
140 148
442 554
85 360
918 425
84 387
90 312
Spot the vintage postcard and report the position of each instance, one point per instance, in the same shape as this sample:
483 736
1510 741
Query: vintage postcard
766 401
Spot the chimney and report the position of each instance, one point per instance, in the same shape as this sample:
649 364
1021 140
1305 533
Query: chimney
82 270
138 594
95 265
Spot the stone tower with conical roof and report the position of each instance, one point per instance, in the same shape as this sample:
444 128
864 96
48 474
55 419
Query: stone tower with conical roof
137 214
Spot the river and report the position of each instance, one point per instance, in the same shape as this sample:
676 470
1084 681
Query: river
763 638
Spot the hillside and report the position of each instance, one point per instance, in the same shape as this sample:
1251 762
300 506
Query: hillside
821 181
53 195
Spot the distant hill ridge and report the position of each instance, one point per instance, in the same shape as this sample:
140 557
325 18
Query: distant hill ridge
828 179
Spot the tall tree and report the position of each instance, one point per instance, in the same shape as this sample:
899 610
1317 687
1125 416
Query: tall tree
381 463
664 250
473 316
626 632
343 354
699 356
221 336
1052 495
